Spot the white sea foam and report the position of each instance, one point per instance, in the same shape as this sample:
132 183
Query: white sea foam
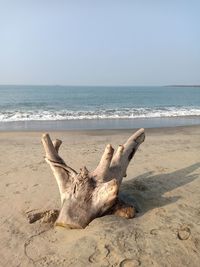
123 113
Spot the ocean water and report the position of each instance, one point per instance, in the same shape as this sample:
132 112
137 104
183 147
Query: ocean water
62 104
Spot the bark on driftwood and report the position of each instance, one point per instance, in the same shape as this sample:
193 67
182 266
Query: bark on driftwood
87 195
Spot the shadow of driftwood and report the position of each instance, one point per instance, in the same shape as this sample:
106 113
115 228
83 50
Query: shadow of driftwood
146 191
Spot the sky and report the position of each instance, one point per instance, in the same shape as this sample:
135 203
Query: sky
99 42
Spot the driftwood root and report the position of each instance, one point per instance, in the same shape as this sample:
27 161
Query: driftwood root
87 195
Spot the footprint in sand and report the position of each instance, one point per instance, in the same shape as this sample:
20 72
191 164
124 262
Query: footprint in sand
100 254
129 263
184 232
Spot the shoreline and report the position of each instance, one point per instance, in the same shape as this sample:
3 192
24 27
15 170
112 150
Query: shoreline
103 132
99 124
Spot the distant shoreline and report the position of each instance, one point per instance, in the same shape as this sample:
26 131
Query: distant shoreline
180 85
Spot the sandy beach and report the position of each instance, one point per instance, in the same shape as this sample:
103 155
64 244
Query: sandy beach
163 180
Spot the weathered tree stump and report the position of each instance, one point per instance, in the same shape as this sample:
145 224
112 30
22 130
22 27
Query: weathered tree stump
87 195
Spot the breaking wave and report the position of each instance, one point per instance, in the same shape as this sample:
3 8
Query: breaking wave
123 113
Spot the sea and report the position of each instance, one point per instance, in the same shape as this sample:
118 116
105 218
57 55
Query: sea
24 107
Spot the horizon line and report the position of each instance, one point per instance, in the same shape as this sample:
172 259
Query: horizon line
114 85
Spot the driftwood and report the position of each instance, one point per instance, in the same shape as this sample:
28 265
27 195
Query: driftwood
87 195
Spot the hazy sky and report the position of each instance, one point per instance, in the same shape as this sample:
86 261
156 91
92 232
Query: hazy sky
100 42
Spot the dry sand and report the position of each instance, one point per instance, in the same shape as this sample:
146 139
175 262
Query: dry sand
164 180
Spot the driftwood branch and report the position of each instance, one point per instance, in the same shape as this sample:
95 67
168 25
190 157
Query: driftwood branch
87 195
